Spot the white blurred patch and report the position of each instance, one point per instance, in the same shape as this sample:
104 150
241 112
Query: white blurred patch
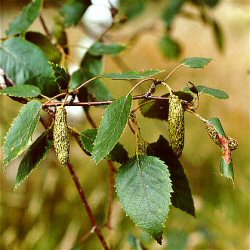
75 114
85 44
2 81
97 19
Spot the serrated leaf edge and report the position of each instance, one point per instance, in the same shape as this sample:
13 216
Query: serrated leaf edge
29 143
92 156
170 203
48 149
7 94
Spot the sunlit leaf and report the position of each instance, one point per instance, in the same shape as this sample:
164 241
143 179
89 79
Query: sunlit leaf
132 75
24 91
35 154
98 49
220 94
23 21
25 63
144 188
111 128
196 62
20 133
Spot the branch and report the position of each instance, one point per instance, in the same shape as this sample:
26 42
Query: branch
112 171
81 192
99 103
45 28
87 207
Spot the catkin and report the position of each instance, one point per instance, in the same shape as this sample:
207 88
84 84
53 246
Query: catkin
213 134
176 128
232 144
61 136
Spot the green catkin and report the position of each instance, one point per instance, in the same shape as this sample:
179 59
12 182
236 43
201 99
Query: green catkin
61 136
176 128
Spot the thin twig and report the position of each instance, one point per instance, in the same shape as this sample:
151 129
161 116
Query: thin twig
81 192
72 91
139 83
197 115
90 119
87 207
99 103
45 28
166 78
112 172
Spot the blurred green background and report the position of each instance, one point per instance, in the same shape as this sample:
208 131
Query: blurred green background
45 212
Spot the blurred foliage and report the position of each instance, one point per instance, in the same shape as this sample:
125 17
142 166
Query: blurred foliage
46 212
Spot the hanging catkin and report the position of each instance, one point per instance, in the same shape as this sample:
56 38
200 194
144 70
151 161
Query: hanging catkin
61 136
176 128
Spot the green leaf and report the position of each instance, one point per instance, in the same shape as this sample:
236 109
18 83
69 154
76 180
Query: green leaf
133 75
51 52
182 196
111 128
35 154
25 63
172 9
217 125
72 11
220 94
144 188
28 15
218 35
20 133
61 76
118 153
133 8
24 91
226 168
158 109
196 62
98 49
169 47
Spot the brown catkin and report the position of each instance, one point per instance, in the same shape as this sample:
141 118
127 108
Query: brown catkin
213 134
176 128
232 144
61 136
